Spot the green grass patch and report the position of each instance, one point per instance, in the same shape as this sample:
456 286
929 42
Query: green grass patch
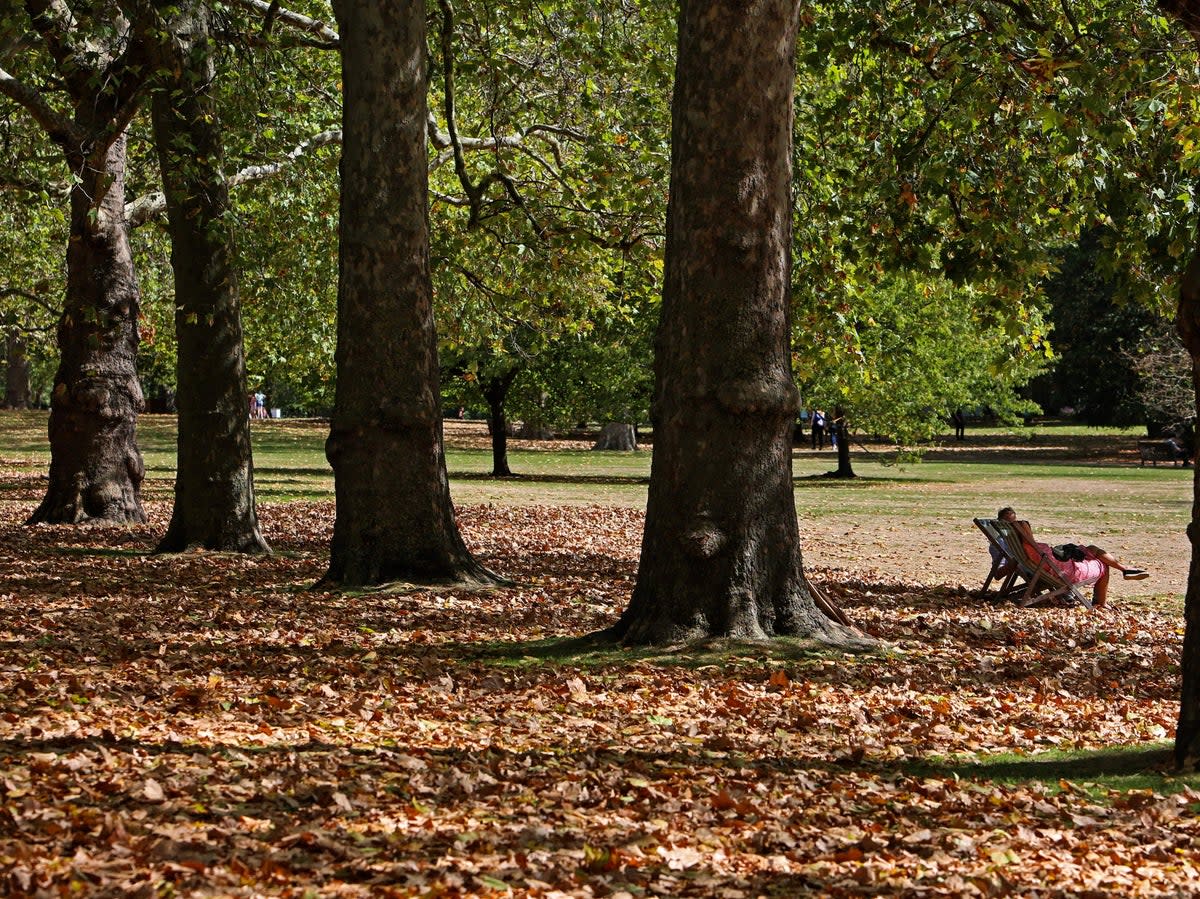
1096 773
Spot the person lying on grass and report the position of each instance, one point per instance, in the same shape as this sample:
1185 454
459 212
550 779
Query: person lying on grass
1077 564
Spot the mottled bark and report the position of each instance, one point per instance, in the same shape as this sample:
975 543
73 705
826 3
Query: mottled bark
720 554
96 469
1187 321
214 481
1187 735
395 520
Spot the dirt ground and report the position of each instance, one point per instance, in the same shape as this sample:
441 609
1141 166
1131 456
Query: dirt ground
946 549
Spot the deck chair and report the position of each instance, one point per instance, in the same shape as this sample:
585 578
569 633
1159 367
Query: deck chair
1014 581
1041 577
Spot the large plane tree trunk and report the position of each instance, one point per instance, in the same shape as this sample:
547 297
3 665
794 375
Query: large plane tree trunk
1187 734
96 469
214 480
720 555
395 520
1187 322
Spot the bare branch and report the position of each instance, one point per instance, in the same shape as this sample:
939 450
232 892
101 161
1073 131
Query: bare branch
272 12
259 172
60 128
30 296
148 206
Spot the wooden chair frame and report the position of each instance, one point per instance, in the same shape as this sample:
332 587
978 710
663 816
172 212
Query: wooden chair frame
1034 576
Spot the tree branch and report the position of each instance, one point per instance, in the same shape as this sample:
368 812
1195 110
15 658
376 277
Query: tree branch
259 172
474 192
272 12
60 129
31 297
148 206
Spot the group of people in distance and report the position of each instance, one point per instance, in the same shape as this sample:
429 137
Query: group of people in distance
258 404
820 425
1077 564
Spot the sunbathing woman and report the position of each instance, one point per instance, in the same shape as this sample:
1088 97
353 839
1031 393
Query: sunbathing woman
1083 565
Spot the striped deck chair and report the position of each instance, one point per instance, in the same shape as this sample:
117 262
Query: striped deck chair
1013 582
1040 576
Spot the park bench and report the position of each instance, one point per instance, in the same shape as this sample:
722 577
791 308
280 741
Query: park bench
1034 578
1155 451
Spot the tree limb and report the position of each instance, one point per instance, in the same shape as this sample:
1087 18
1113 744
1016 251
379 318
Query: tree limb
31 297
474 192
259 172
148 206
60 129
272 12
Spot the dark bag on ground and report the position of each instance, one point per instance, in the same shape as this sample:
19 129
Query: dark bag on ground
1069 552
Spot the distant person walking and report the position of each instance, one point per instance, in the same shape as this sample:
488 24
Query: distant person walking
818 429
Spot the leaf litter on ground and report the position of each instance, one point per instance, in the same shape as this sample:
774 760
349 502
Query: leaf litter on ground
206 724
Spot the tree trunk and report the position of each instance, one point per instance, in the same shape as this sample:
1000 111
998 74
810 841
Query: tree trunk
394 518
1187 322
720 553
616 436
495 392
96 469
1187 734
214 480
16 372
841 434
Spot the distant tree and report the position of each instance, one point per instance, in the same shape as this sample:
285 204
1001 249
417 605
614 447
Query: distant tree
720 553
394 518
897 356
1095 335
1164 373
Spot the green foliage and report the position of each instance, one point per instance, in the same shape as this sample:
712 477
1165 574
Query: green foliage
971 138
964 143
550 269
1095 338
899 357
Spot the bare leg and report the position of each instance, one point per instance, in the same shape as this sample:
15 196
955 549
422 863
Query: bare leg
1106 557
1100 590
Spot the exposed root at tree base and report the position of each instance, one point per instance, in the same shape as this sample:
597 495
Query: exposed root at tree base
830 636
486 581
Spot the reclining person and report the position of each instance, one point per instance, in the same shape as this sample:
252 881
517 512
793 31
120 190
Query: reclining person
1077 564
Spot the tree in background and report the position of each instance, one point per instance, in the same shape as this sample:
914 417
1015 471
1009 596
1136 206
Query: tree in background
899 355
1095 334
720 553
394 518
1164 384
547 231
30 243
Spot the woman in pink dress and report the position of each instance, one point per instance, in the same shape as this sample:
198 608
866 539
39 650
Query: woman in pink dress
1078 564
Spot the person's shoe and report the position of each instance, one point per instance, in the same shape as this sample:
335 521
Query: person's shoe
1136 574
